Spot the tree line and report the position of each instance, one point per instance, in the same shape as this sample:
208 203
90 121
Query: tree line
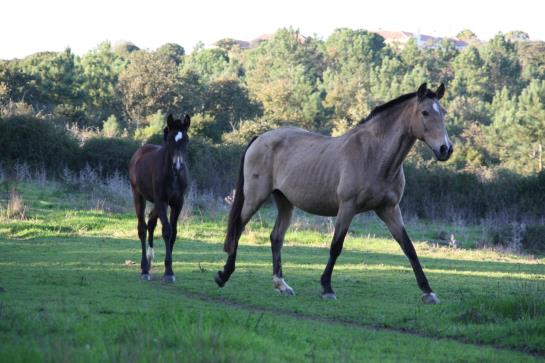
495 90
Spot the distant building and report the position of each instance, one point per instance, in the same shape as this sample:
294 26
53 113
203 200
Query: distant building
400 39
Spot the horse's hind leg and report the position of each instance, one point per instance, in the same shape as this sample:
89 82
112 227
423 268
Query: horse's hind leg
250 206
140 207
344 218
152 223
283 219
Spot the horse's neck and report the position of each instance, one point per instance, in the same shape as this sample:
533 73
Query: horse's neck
393 139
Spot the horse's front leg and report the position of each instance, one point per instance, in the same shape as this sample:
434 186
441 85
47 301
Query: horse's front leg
161 208
391 215
344 218
174 214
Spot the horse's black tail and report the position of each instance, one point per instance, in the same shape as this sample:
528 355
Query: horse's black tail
234 224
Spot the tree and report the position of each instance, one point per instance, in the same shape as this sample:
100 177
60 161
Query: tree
468 36
470 75
532 59
282 74
124 49
210 64
150 83
172 51
228 102
101 68
517 36
501 61
56 79
350 56
504 132
531 117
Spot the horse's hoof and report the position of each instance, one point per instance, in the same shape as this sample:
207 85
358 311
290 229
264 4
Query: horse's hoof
218 279
169 278
145 277
329 296
287 291
430 298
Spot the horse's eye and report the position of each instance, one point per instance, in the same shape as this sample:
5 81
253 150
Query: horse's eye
425 113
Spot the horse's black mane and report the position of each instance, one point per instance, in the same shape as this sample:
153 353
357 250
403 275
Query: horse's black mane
392 103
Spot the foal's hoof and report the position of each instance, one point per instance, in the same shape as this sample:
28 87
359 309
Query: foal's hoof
145 277
281 286
430 298
329 296
218 278
169 278
287 291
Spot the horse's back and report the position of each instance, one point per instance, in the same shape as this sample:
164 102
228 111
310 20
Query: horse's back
297 163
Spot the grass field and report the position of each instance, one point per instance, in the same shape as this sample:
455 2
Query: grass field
70 291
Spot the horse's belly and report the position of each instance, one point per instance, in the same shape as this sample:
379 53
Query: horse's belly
314 204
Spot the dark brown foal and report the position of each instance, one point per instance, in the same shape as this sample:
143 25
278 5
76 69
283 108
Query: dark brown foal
159 175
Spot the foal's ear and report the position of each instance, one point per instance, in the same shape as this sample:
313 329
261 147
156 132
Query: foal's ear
170 121
440 91
422 92
186 122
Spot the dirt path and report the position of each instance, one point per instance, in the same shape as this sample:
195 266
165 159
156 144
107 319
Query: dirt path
346 322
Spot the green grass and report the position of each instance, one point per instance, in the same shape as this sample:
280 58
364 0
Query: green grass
70 294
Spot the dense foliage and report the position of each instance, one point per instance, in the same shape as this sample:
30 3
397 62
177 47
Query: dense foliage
495 97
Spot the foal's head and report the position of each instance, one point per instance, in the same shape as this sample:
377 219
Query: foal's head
428 122
175 139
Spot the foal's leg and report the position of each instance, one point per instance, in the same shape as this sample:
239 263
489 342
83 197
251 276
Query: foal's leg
161 208
285 210
140 207
393 219
344 218
152 223
174 214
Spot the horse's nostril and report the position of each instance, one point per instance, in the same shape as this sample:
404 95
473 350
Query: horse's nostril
443 150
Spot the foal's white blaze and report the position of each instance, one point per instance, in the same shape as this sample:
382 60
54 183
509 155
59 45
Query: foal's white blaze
178 160
436 107
178 136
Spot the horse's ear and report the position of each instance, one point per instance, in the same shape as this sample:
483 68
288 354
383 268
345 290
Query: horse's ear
186 122
422 92
170 121
440 91
165 134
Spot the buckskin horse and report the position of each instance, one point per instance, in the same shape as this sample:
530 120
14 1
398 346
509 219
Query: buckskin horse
158 174
359 171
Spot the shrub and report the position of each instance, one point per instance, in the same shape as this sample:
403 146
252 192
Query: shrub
37 143
108 155
213 167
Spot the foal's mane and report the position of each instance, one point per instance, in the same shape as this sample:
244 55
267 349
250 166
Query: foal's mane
396 101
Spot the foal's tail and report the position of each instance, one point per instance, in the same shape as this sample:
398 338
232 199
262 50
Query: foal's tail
234 225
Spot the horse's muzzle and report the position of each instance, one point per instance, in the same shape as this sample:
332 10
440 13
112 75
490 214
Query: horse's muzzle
444 152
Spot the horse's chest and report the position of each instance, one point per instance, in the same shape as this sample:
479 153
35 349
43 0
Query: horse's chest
176 189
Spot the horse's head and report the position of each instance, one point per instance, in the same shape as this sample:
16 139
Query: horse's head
175 138
428 122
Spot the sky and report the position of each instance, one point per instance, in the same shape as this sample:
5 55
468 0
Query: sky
30 26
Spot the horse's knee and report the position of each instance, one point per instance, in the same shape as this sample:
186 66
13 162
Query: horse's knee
142 228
